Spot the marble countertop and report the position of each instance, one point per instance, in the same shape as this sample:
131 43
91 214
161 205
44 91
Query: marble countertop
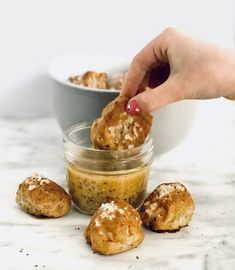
204 162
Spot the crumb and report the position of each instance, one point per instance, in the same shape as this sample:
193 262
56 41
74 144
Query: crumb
137 257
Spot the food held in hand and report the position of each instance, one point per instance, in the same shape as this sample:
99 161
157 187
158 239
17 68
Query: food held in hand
114 228
39 196
116 129
168 208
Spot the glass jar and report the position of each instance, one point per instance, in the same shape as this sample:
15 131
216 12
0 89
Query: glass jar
96 176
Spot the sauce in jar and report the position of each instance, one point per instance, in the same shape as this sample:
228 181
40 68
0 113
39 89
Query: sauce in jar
97 176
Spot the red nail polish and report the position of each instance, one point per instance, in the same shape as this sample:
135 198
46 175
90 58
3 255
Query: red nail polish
133 107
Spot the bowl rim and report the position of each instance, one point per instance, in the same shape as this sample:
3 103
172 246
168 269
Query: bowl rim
80 87
51 72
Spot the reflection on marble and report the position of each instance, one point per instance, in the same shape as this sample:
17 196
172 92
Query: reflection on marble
27 242
220 256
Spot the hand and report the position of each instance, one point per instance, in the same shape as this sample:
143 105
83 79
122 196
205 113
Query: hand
178 67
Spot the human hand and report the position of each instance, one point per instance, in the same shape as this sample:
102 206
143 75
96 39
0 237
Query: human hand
178 67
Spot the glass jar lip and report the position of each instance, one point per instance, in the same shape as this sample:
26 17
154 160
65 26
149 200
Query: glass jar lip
87 124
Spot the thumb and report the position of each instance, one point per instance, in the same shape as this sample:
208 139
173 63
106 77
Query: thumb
152 99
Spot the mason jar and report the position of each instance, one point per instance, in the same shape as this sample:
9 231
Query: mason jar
96 176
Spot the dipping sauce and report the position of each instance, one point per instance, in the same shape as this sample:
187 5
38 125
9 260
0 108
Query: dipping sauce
98 176
89 189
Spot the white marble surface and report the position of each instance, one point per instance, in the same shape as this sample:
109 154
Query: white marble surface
205 163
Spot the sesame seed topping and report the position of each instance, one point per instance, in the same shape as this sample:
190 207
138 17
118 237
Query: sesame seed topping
128 137
121 211
107 210
44 181
166 189
32 186
97 223
135 131
146 203
153 206
109 207
112 131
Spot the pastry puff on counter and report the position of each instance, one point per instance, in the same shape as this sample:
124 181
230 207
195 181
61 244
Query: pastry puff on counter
168 208
115 227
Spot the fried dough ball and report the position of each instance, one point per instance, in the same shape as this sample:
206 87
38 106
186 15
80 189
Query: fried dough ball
115 227
39 196
91 79
168 208
116 129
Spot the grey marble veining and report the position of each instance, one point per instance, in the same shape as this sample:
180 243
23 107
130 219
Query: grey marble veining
27 242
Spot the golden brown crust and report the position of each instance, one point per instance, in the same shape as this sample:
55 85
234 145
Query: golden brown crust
39 196
115 227
116 129
91 79
168 208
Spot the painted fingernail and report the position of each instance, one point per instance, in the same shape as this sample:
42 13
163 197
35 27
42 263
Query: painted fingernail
133 107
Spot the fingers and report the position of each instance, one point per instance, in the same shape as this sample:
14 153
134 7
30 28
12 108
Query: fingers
153 55
153 60
152 99
135 76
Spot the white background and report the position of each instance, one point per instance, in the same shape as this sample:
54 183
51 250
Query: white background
35 32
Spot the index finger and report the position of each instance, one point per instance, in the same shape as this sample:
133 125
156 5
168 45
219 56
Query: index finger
152 55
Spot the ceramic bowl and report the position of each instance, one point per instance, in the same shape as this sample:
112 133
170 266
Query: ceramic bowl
74 103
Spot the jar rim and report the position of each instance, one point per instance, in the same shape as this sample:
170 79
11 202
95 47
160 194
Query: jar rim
77 153
87 124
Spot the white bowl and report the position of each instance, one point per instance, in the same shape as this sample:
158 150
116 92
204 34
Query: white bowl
74 103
